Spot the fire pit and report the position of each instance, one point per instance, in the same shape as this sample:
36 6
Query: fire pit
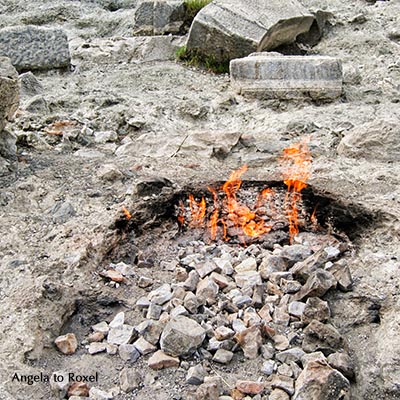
213 276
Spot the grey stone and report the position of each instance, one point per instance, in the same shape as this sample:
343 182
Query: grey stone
128 352
283 382
154 311
242 301
196 375
181 336
105 136
118 320
316 356
294 354
280 316
248 278
270 264
62 212
120 335
159 17
191 303
303 269
290 286
143 303
223 356
249 264
342 362
192 281
296 308
161 295
268 367
101 327
36 105
109 173
97 347
30 86
205 268
316 309
343 276
319 381
97 394
32 48
227 29
278 394
179 310
123 268
144 347
129 380
208 289
285 370
317 285
323 337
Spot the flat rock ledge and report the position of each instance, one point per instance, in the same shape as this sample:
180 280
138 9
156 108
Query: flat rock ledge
272 75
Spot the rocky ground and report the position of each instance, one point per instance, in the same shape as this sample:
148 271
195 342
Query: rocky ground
131 114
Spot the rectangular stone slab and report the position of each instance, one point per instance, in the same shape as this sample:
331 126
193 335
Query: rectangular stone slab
35 48
271 75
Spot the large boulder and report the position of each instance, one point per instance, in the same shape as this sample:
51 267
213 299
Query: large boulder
227 29
271 75
35 48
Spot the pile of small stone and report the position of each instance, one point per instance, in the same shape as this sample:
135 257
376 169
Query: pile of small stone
231 302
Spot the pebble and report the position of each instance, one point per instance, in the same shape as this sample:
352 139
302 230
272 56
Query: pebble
316 356
285 370
205 268
67 344
268 367
96 337
113 275
160 360
78 389
144 347
129 352
208 391
112 349
101 327
160 295
97 394
250 387
179 310
318 283
323 337
129 380
223 356
145 282
192 281
154 311
120 335
97 347
296 308
295 253
143 303
118 320
124 269
196 375
221 280
281 342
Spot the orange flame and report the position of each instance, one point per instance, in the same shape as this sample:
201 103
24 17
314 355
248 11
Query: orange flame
296 162
213 224
198 210
127 214
181 215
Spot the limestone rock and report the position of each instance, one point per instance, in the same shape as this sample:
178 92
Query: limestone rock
315 309
250 340
287 77
208 289
208 391
160 295
160 360
101 327
32 48
342 362
278 394
78 389
270 264
98 394
128 352
250 387
195 375
30 86
181 336
97 347
283 382
323 337
129 379
317 285
120 335
9 91
319 381
227 29
144 347
223 356
67 344
294 354
159 17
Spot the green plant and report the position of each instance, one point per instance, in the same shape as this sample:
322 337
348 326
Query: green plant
196 59
194 6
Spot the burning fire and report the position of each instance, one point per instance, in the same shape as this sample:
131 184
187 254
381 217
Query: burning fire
228 216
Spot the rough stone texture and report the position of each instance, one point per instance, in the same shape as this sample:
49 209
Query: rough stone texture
227 29
181 335
9 91
129 379
319 381
160 360
32 48
250 387
323 337
317 285
80 389
67 344
159 17
120 334
250 340
343 363
377 139
287 77
315 309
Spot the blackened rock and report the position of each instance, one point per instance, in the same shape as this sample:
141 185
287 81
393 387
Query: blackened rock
342 362
323 337
315 309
